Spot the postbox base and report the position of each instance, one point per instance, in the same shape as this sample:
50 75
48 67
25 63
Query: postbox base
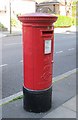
37 101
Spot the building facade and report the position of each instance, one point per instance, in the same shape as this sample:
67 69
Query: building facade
56 7
11 8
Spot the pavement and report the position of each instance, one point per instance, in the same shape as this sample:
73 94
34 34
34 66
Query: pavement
69 29
17 31
65 109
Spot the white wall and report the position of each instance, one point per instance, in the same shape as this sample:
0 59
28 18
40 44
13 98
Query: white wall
23 6
62 10
4 17
19 7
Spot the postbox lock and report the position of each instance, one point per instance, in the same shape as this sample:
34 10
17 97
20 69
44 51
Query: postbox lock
48 27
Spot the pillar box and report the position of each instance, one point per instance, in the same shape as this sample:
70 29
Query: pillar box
38 47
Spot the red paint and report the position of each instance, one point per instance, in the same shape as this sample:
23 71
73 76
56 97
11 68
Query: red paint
37 65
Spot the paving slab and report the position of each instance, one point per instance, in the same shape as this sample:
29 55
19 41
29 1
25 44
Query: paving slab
71 104
61 112
0 113
67 110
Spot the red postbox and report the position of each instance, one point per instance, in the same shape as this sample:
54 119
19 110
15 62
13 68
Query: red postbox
38 46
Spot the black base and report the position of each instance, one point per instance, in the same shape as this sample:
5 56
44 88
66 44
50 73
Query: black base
37 101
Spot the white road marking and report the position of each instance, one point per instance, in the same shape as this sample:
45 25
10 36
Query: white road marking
71 49
59 52
62 51
3 65
19 94
13 44
2 35
67 32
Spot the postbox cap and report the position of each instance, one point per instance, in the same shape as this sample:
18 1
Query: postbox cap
37 17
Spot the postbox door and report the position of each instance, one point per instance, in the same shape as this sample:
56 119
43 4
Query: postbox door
43 59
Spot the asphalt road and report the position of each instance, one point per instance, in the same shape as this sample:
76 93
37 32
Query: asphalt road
12 66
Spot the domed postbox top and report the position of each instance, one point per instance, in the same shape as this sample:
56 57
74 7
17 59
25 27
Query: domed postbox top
37 18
